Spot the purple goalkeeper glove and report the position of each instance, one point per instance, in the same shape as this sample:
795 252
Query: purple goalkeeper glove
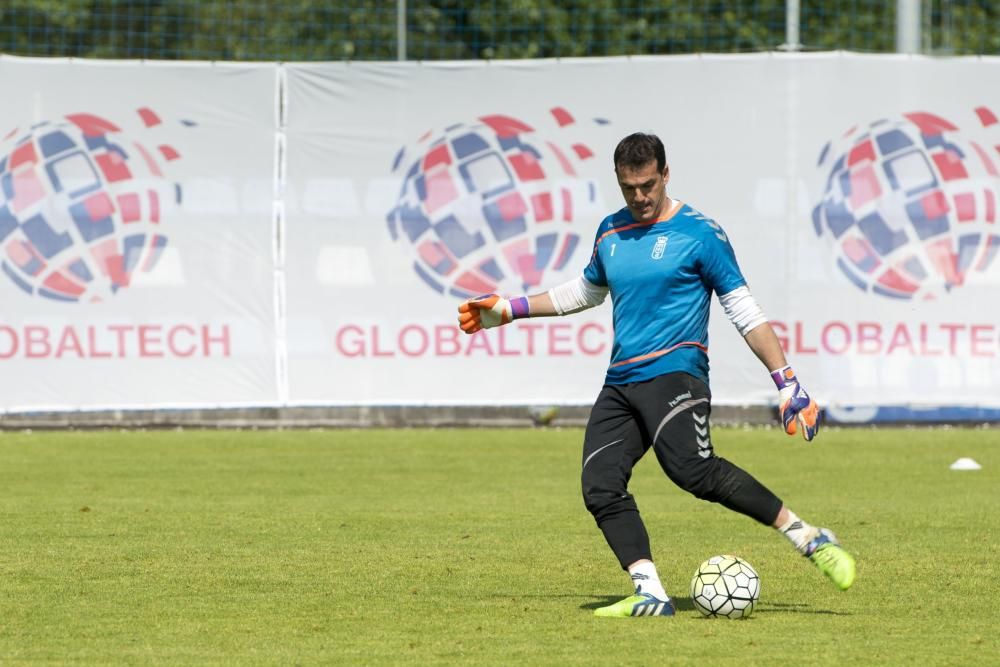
797 410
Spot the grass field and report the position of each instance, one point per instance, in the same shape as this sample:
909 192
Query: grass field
473 547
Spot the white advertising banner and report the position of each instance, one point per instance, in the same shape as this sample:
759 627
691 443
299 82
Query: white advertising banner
208 235
136 235
859 192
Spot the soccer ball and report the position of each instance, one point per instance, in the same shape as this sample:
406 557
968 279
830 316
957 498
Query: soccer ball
725 586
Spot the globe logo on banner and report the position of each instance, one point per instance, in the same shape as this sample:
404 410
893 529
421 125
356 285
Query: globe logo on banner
910 203
81 205
489 206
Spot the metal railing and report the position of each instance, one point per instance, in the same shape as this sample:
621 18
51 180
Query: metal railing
310 30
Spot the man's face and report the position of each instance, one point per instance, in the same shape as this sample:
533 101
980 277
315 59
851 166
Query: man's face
644 190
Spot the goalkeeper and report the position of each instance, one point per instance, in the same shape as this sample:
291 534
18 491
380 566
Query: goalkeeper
661 260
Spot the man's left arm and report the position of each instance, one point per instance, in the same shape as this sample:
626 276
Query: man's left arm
797 409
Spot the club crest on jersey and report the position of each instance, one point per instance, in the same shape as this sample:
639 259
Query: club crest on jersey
661 245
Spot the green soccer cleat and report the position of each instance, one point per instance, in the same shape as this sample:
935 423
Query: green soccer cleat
640 604
831 559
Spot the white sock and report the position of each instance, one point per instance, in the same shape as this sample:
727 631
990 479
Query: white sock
646 580
798 532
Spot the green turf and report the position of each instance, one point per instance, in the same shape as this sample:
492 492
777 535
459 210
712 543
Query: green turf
473 547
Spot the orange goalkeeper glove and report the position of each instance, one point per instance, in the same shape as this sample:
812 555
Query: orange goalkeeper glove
797 410
490 310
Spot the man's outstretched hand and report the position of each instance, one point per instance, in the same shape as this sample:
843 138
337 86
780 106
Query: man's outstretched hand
484 312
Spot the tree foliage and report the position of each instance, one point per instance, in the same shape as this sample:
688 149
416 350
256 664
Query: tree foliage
458 29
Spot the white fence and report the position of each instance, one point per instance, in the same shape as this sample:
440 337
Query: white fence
207 235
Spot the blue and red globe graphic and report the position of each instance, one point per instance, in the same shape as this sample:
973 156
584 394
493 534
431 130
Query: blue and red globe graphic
489 206
81 206
911 203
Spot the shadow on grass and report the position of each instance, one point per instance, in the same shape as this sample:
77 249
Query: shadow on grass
685 604
796 608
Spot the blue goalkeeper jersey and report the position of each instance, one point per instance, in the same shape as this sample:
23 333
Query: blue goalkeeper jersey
661 276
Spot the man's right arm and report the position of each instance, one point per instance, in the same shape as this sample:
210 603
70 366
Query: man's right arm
493 310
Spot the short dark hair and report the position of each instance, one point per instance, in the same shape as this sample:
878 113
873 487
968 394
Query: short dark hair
639 149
